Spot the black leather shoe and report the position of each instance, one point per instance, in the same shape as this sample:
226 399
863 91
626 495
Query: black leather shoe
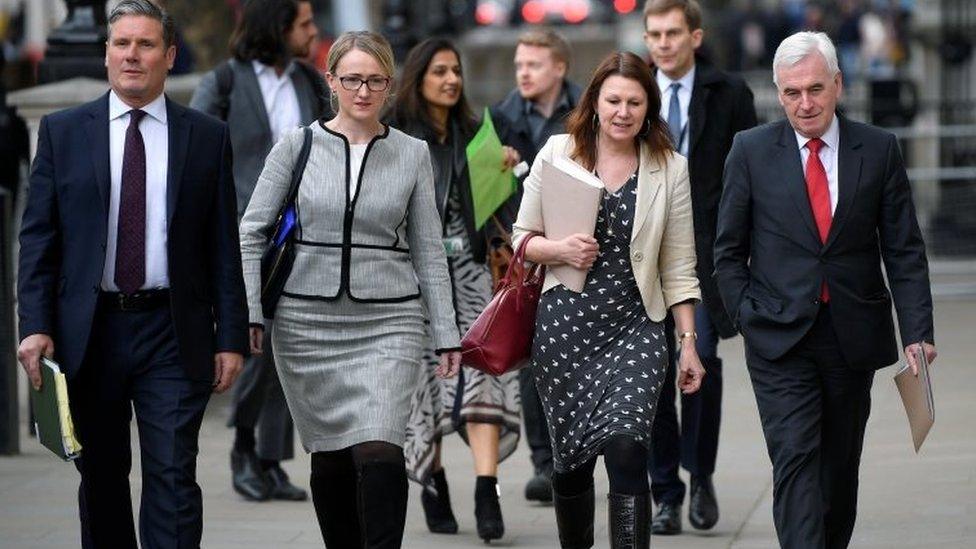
487 509
247 477
667 521
629 521
539 487
281 487
436 501
703 506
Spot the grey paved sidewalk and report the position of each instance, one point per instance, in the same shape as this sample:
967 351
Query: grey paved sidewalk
906 500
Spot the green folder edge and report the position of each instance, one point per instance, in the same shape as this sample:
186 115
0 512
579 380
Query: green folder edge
491 186
52 413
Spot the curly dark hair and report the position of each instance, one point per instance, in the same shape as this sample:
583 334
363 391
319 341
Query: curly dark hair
260 34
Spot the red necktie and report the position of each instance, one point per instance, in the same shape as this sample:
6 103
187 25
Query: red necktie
819 192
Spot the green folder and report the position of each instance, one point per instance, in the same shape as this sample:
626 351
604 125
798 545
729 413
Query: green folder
52 416
490 184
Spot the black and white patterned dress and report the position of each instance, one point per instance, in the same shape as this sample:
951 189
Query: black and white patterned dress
486 398
597 357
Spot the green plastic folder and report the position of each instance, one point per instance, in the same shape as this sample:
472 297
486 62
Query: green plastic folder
52 416
490 184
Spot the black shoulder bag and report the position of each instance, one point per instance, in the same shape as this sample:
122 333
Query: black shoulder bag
278 258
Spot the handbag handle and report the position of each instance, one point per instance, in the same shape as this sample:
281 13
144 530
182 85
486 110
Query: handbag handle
516 272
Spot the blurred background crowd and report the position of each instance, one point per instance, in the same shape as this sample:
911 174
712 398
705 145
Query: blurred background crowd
907 64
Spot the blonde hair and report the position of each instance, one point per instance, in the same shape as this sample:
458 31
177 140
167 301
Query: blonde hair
547 38
365 41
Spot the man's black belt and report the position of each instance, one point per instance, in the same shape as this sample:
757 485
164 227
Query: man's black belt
143 300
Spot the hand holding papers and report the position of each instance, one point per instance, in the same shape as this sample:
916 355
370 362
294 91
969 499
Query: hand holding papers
916 395
570 204
55 430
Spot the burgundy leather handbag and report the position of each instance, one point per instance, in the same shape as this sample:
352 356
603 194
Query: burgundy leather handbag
500 339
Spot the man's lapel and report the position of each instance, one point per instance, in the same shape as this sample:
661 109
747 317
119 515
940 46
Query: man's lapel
252 89
848 177
98 139
705 76
788 165
179 140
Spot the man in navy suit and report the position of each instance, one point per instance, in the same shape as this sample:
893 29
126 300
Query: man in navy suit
812 207
130 278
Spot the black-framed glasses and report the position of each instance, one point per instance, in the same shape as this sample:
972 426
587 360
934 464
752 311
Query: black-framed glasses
373 83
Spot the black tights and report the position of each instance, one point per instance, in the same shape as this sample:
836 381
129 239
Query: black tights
626 463
334 484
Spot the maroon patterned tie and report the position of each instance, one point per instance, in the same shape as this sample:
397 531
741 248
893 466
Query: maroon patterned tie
130 252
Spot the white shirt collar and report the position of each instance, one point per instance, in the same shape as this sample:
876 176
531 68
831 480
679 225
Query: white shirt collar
687 81
260 68
831 137
156 108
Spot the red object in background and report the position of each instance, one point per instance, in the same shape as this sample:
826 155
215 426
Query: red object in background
486 13
534 11
576 11
624 6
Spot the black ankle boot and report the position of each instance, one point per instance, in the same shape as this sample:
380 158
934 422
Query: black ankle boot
487 509
574 518
381 499
630 521
436 501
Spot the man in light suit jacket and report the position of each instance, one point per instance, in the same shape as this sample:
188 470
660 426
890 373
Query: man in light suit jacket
812 206
261 92
704 108
130 278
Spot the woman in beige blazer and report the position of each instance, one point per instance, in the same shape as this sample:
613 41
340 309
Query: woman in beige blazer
599 356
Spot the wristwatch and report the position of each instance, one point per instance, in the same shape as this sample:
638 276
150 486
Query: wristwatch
683 335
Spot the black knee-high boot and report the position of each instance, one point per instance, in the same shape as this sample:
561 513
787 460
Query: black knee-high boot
630 521
333 484
574 518
381 503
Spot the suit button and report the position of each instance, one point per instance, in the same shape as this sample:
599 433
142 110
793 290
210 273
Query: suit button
95 289
638 256
816 301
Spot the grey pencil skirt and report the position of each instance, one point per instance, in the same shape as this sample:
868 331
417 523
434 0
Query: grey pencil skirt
348 370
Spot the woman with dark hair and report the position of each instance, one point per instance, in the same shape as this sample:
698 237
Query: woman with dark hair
431 106
599 356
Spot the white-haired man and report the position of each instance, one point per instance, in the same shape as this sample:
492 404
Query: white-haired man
811 207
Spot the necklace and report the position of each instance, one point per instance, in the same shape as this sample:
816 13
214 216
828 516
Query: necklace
619 195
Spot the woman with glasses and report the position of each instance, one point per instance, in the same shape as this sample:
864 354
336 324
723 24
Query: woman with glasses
349 331
431 106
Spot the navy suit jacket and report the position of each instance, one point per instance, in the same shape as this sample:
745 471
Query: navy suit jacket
769 261
63 236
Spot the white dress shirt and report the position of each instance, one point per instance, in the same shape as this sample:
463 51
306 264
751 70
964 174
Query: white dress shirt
155 136
828 157
684 101
280 98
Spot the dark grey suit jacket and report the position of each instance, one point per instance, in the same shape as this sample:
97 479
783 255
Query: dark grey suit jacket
247 120
769 260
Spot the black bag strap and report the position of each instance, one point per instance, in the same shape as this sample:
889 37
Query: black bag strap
224 73
299 169
296 176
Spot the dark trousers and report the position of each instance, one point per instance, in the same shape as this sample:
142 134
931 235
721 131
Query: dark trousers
693 445
259 402
536 431
814 408
133 363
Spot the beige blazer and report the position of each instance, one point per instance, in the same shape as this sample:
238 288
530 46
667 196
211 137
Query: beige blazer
662 241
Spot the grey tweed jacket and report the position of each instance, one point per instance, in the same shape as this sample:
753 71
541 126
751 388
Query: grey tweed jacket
381 245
